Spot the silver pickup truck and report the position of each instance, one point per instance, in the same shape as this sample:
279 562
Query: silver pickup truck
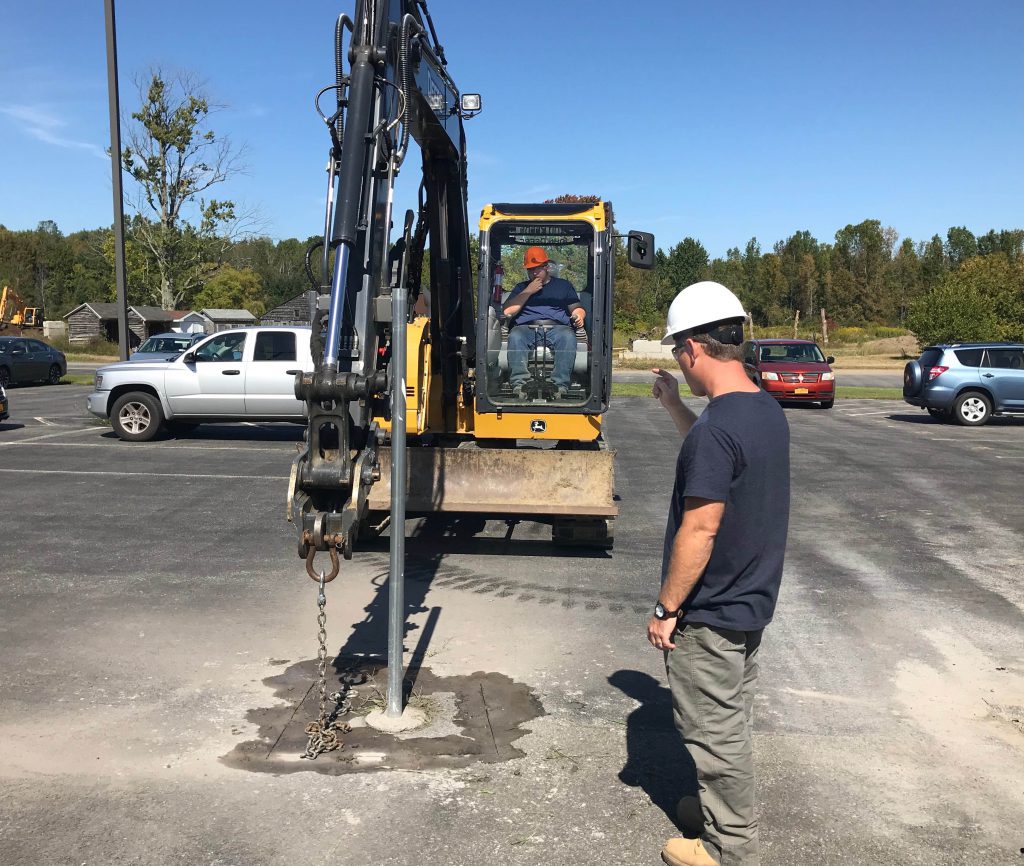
245 374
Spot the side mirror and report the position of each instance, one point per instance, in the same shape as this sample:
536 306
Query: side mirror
641 250
830 360
189 357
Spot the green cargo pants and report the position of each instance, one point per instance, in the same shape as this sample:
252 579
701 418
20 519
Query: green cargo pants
712 673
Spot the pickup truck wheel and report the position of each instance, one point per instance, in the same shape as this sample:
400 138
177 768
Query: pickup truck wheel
5 377
972 409
136 417
54 377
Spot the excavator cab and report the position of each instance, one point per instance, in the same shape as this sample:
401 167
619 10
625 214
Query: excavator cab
568 369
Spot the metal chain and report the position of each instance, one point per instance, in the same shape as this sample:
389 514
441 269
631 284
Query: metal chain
323 733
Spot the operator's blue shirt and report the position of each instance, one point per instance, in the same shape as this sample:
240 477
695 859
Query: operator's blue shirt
737 452
551 302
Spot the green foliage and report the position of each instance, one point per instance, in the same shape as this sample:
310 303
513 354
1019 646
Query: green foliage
174 158
953 314
233 289
96 346
983 300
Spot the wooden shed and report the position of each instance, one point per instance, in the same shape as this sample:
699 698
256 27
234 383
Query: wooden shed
92 321
219 320
294 311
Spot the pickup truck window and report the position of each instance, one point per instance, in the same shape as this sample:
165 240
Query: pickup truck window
228 347
274 346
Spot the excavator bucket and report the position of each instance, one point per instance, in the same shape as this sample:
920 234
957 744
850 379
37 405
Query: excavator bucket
542 482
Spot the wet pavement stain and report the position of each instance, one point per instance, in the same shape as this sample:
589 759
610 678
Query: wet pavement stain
490 711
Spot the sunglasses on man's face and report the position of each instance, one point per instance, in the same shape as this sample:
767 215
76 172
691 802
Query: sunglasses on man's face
678 349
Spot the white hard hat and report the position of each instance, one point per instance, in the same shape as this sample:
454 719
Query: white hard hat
704 303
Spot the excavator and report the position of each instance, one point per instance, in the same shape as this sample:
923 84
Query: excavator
470 441
14 312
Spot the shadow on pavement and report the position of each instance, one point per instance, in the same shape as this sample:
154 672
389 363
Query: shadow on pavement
283 432
926 419
656 760
438 535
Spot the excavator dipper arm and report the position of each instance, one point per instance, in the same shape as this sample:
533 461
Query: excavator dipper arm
396 88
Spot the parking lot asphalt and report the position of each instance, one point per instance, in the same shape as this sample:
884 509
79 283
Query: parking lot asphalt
156 620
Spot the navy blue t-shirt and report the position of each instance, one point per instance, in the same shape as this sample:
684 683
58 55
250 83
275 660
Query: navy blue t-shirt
551 302
737 452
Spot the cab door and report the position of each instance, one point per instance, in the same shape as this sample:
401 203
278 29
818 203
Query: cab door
210 380
270 377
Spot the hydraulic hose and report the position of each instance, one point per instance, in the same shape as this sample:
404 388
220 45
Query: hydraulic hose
339 72
404 46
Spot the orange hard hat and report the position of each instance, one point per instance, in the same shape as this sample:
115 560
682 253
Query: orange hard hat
535 256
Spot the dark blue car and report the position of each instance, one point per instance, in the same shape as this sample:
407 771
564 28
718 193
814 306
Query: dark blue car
23 359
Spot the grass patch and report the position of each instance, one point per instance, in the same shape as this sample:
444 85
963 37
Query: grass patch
843 392
77 379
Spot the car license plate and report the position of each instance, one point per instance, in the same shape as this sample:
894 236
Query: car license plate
801 390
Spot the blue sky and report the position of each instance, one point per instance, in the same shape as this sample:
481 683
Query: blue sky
718 120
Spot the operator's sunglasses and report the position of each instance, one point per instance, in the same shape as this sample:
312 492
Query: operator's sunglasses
677 349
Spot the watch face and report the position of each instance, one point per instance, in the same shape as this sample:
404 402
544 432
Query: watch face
659 610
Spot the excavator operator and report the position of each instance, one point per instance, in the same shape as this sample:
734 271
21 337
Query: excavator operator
543 311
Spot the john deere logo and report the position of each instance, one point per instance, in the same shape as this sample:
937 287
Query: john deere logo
538 426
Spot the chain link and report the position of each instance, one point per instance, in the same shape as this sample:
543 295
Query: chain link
323 733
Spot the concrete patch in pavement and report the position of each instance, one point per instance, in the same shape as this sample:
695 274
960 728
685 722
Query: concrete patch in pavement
469 719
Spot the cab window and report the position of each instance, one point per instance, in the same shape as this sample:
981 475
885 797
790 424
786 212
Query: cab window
227 347
274 346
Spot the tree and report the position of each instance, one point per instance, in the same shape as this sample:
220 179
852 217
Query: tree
983 300
233 289
685 264
174 158
933 262
904 279
865 250
961 245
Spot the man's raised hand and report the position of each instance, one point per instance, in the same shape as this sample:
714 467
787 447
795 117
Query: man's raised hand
666 387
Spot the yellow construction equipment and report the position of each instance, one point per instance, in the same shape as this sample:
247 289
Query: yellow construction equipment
489 428
14 312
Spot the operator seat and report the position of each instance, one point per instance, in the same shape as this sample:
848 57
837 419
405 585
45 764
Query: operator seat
540 357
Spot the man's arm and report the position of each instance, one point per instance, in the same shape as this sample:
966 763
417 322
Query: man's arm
691 550
515 303
666 390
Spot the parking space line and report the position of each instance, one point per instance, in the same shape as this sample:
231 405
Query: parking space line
878 412
188 475
46 423
115 444
49 436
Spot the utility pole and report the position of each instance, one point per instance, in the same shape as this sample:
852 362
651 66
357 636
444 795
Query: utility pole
115 176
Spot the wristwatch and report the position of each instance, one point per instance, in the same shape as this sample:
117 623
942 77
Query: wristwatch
661 613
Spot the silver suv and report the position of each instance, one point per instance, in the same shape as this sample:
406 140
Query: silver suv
967 382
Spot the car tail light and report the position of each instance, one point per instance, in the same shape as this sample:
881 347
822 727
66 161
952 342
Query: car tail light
935 372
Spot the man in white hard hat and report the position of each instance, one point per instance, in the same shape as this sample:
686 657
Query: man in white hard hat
724 549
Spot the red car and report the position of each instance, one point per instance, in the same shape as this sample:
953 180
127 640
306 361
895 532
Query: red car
791 370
